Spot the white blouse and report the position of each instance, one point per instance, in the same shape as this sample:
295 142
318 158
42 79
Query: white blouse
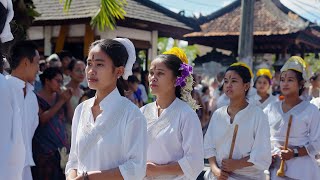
304 132
116 139
253 139
265 103
175 136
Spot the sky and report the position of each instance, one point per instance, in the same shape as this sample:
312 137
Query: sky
309 9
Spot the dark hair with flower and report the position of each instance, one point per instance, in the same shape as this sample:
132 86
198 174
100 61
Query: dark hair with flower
186 70
176 60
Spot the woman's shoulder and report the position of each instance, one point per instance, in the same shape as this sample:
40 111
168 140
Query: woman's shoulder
183 107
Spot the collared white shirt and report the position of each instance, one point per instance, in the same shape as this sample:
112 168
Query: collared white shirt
28 109
11 146
117 138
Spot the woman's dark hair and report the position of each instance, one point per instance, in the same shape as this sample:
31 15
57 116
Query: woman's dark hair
119 56
173 63
314 76
262 76
73 63
243 72
300 81
133 79
49 74
204 89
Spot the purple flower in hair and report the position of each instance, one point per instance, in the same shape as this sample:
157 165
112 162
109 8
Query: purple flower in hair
186 70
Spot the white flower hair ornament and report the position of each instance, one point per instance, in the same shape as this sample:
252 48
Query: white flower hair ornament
131 56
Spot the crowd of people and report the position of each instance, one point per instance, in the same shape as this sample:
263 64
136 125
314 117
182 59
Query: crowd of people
105 118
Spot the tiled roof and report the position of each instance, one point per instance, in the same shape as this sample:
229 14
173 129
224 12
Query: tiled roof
52 10
268 20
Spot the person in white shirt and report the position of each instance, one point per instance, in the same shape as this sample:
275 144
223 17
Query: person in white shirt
304 136
109 133
8 168
251 152
175 137
24 63
263 84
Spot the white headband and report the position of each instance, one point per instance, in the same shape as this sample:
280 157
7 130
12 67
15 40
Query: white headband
6 34
131 56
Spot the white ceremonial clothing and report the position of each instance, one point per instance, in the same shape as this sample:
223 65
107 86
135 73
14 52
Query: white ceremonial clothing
265 103
316 102
28 109
304 132
12 149
253 140
116 139
175 136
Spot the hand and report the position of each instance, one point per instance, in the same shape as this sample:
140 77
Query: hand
229 165
66 95
221 175
286 154
151 169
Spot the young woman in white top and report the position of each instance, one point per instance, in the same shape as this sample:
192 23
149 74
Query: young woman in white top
175 138
263 84
251 153
108 131
304 136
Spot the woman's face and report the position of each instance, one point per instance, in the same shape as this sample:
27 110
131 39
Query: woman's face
289 84
100 71
55 83
78 72
262 85
233 85
161 78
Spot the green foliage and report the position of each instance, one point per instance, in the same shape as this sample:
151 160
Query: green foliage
109 12
313 62
191 50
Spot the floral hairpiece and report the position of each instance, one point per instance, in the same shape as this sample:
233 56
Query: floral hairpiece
186 70
185 81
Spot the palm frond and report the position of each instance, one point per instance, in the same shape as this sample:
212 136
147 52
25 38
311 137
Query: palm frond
106 16
108 13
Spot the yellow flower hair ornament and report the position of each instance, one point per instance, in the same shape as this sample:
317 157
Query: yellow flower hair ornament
243 65
264 72
179 53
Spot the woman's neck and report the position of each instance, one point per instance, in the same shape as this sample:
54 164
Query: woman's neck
102 93
291 101
164 101
237 104
263 95
47 94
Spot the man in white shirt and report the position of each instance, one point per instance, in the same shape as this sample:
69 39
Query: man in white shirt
24 62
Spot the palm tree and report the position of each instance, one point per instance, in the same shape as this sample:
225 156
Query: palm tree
108 13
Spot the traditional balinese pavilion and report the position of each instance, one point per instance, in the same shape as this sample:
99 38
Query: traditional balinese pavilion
277 30
144 22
